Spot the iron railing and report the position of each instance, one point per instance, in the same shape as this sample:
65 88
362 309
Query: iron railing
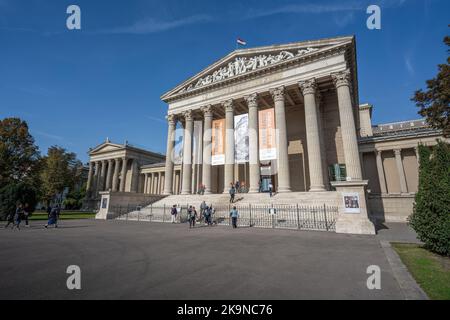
296 217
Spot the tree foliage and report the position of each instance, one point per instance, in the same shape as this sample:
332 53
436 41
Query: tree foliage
19 156
60 170
431 216
15 193
434 103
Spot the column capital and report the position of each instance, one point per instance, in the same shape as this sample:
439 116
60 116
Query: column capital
341 78
252 100
308 86
397 151
228 105
207 110
171 118
277 93
110 161
378 152
188 115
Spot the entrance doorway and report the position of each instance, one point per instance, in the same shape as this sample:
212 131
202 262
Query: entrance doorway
265 181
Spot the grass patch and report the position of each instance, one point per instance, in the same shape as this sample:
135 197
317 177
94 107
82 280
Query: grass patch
65 215
431 271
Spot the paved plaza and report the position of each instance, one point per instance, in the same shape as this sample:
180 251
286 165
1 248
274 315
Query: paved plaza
138 260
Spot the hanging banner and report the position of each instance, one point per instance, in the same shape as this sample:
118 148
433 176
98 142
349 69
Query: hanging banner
177 156
197 142
241 142
267 142
218 142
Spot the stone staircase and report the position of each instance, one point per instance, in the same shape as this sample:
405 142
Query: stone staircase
291 198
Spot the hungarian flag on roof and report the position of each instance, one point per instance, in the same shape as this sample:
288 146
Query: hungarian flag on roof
241 42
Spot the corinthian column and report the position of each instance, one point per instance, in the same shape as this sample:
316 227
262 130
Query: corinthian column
102 177
284 182
115 180
123 174
348 128
90 176
169 161
229 144
207 135
187 153
255 173
315 162
134 176
96 178
109 174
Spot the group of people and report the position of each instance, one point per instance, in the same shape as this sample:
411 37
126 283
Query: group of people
206 215
23 212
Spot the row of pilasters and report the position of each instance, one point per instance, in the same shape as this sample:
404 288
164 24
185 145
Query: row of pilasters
316 159
399 166
111 175
154 183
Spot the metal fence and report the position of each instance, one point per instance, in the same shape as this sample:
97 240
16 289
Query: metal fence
296 217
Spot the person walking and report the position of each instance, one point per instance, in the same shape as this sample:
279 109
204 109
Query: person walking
53 218
192 215
208 213
26 214
174 212
18 217
203 207
234 214
232 193
10 219
270 188
237 185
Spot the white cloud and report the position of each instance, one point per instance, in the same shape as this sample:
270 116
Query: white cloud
152 25
409 66
314 8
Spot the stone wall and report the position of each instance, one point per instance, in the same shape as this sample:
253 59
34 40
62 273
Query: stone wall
111 200
391 208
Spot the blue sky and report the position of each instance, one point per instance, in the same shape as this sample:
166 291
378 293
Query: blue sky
75 88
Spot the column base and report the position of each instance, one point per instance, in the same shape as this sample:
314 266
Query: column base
354 225
283 190
317 189
353 216
254 190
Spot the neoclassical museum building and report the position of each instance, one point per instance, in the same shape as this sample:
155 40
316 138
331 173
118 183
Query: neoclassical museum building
284 115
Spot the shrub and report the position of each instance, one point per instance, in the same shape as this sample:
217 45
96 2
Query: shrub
431 215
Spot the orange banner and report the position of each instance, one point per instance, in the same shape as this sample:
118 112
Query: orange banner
267 143
218 142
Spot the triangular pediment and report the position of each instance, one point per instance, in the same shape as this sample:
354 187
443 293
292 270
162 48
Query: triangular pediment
106 147
245 61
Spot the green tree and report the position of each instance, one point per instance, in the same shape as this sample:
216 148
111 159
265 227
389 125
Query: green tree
15 193
434 103
60 170
19 156
74 199
431 215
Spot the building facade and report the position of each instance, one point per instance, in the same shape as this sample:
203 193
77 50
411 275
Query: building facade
287 116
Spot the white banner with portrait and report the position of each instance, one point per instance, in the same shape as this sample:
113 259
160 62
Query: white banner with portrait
218 142
267 143
197 150
241 142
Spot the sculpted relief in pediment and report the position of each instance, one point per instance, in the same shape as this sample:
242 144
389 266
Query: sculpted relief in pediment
242 65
